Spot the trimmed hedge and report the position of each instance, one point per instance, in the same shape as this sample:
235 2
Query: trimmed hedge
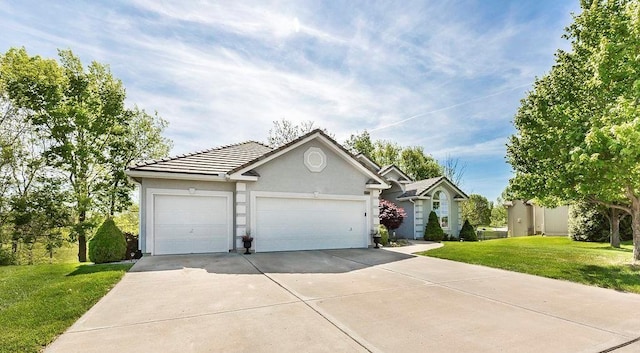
433 231
468 232
108 244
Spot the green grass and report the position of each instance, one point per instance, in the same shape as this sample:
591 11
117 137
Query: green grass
39 302
594 264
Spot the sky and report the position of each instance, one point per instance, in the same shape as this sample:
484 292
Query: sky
444 75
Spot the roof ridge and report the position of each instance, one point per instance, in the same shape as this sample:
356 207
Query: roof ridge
184 155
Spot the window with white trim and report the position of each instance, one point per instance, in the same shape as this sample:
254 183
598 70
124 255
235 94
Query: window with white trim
441 208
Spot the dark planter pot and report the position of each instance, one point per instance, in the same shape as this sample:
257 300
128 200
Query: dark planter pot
377 241
247 246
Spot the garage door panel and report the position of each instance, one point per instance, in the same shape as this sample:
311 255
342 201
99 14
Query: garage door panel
302 224
190 224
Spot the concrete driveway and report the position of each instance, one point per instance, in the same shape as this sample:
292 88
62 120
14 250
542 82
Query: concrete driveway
357 300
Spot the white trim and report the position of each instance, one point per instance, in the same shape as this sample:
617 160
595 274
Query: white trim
443 190
288 195
396 169
152 192
378 186
451 185
175 176
235 177
311 137
413 198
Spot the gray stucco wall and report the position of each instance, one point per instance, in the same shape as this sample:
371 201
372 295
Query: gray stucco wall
148 183
288 174
454 222
406 229
520 219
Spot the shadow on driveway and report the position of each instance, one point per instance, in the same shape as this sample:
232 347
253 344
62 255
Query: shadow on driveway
316 261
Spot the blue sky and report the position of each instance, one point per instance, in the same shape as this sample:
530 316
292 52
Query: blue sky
444 75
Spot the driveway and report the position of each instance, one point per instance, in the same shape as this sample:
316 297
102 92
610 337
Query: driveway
356 300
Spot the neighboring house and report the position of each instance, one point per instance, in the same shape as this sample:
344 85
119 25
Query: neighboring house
308 194
419 198
527 218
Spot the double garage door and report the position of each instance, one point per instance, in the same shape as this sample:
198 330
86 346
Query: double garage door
309 223
184 224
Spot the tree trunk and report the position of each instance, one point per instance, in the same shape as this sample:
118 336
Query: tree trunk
615 228
82 239
635 226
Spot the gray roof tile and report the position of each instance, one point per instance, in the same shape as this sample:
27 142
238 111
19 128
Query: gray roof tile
418 187
214 161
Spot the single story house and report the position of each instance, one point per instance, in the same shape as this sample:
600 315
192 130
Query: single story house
419 198
527 218
308 194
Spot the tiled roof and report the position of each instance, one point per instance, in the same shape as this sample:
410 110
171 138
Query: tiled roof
418 187
214 161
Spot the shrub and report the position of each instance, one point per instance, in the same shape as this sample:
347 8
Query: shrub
433 231
391 216
7 257
108 244
468 233
587 224
384 235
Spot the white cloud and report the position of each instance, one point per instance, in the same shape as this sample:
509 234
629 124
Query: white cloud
429 73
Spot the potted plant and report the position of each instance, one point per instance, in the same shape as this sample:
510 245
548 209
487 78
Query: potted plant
376 238
247 239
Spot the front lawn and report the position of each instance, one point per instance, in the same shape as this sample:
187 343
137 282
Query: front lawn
39 302
595 264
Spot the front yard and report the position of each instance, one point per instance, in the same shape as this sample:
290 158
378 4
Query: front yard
39 302
594 264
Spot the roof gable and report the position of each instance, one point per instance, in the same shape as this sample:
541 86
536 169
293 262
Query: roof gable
317 134
393 168
422 187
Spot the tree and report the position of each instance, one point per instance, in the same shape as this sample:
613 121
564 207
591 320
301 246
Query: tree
453 169
285 131
39 216
391 216
139 139
386 153
578 129
433 231
360 143
468 232
81 116
419 165
498 213
476 210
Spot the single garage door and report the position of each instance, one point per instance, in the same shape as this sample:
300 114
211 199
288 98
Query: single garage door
190 224
284 224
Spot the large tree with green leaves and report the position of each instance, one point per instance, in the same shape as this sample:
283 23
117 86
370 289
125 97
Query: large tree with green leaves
476 210
579 128
412 160
90 134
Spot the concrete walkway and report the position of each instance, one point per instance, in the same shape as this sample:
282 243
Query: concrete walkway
355 300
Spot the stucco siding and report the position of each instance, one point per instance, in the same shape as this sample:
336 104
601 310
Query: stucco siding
149 183
519 219
556 220
406 229
289 174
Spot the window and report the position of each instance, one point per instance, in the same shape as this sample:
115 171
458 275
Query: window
441 208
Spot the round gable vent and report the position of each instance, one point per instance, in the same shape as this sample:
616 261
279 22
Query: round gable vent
315 160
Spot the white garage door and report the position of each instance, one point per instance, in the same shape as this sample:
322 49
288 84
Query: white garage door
304 224
190 224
